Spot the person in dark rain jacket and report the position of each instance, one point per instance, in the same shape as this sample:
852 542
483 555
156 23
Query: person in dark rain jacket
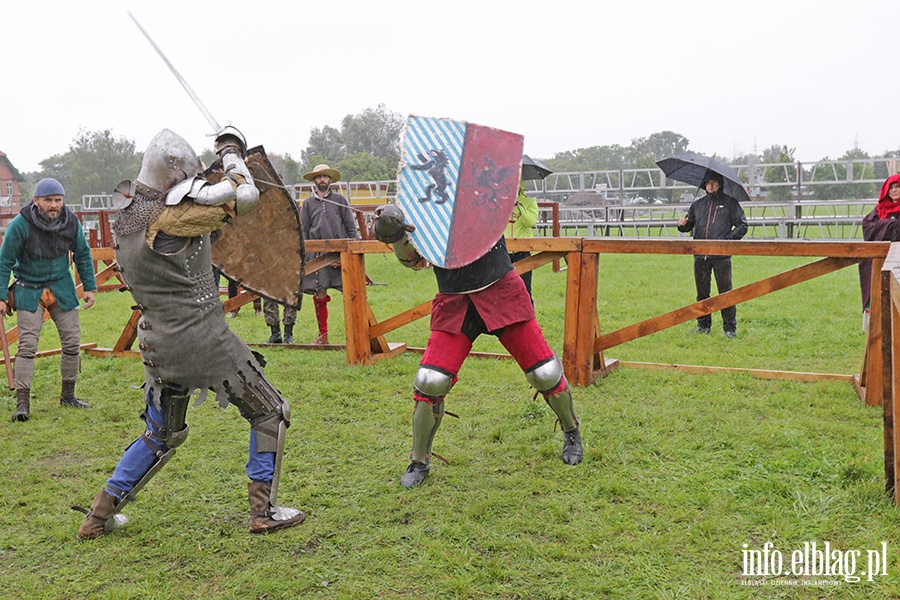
715 216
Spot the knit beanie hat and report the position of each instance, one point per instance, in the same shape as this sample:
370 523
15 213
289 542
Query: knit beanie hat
48 187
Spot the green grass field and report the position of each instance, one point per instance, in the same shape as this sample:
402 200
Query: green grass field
683 474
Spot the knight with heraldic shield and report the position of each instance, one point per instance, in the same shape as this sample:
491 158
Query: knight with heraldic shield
164 227
457 187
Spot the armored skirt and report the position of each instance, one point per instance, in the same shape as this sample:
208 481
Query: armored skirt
182 333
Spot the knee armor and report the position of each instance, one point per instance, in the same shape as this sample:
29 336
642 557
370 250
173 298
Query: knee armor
432 382
546 375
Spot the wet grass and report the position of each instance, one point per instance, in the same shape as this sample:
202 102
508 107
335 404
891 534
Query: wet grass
680 471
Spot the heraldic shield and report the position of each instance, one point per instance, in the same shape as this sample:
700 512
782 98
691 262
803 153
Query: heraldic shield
457 185
263 250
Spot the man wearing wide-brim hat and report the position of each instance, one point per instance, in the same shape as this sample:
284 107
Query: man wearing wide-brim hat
325 215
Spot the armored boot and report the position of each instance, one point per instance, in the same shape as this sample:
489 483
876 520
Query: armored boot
95 523
561 403
67 398
426 420
23 404
547 378
275 338
265 517
288 334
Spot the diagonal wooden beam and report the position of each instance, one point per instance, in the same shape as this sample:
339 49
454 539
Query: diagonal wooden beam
537 260
716 303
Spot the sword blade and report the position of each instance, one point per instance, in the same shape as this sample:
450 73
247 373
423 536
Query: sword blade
187 88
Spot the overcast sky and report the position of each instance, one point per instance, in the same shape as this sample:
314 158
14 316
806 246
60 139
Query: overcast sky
733 77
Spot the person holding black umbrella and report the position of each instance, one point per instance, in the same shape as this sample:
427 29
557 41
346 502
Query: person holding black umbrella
715 216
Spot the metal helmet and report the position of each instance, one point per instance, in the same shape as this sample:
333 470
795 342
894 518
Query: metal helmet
168 160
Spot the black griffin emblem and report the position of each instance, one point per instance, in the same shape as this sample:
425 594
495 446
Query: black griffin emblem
492 182
434 164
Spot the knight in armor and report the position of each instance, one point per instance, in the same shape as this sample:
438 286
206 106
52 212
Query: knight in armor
162 243
486 296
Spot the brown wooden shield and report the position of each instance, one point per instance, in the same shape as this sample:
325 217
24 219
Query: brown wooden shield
263 250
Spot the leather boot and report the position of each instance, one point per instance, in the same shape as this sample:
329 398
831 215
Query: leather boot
102 510
23 404
288 334
263 516
67 398
275 338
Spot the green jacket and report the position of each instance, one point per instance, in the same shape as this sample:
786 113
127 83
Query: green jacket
523 218
33 273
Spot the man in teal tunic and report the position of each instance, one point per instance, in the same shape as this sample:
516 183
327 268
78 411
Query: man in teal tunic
36 250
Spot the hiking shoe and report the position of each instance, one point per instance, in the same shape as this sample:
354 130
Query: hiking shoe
232 314
572 451
322 340
701 330
730 334
415 475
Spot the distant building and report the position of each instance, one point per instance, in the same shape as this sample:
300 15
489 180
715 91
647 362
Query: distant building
10 199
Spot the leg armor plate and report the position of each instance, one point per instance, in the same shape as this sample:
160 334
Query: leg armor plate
431 385
269 415
547 378
162 438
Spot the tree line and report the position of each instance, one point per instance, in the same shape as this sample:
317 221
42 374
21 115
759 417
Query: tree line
366 147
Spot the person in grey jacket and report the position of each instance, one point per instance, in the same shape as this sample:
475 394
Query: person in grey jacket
325 215
715 216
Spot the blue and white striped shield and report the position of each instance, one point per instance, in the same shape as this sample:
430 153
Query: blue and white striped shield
457 184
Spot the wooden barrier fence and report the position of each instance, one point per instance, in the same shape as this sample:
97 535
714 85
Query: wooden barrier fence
583 342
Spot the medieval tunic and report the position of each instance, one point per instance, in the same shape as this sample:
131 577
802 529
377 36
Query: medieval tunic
481 297
325 221
184 338
28 254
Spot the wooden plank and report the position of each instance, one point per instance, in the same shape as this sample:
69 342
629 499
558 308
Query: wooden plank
399 320
103 276
393 350
760 373
588 320
535 244
889 409
243 297
109 352
537 260
861 250
716 303
543 244
104 254
356 307
581 311
881 376
320 262
129 334
377 344
44 353
871 371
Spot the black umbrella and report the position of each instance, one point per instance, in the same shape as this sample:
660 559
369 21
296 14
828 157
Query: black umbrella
692 168
533 169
